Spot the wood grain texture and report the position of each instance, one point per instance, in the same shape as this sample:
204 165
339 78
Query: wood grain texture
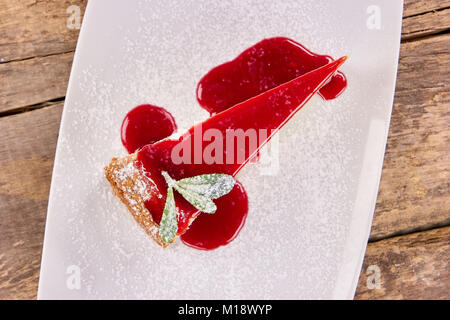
414 190
31 28
426 24
420 7
33 81
415 266
27 148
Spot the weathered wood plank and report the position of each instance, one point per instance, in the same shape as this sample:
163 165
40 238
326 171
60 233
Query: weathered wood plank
27 147
415 266
417 7
31 28
33 81
425 17
414 191
426 24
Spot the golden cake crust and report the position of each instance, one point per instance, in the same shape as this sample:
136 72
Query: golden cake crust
133 188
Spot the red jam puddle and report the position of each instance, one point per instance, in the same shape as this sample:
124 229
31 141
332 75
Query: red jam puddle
146 124
210 231
266 85
261 67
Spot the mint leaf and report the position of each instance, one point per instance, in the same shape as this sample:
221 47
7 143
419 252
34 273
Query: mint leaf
170 182
213 185
168 226
199 201
200 190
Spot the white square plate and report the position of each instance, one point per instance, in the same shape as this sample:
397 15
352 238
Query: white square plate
308 225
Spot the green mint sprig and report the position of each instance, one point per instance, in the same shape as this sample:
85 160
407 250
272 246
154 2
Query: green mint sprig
199 191
168 225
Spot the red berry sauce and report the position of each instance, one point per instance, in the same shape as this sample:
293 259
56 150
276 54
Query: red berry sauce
261 67
266 85
210 231
146 124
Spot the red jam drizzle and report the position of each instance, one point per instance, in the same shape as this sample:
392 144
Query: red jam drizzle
334 87
261 67
267 84
210 231
146 124
270 110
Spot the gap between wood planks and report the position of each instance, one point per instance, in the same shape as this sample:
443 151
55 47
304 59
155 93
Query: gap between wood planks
425 12
409 232
32 107
61 98
425 36
38 56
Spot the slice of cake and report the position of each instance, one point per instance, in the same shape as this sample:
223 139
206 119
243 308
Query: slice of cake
138 178
134 188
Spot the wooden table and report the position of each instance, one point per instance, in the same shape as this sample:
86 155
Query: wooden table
409 245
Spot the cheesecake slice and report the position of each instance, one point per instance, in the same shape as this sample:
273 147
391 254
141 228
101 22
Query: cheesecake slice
137 178
133 187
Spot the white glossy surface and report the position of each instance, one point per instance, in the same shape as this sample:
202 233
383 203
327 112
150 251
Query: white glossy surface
308 225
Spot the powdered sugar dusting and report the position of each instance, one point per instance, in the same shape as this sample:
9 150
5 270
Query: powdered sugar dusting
135 187
299 219
212 186
142 185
